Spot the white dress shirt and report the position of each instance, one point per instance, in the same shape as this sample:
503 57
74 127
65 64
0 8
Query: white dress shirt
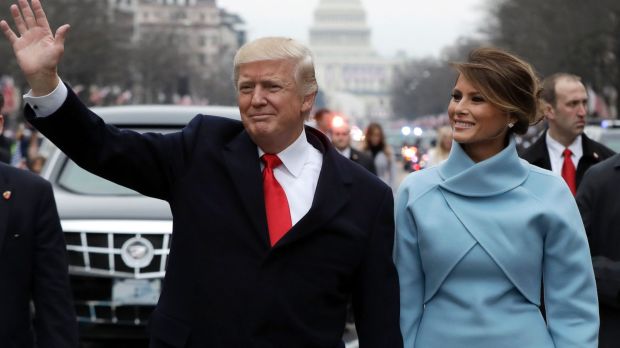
556 153
48 104
346 152
298 175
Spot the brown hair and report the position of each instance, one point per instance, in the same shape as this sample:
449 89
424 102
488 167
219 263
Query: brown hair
548 93
382 143
318 115
506 81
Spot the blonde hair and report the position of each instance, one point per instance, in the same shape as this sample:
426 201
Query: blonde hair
548 93
442 132
280 48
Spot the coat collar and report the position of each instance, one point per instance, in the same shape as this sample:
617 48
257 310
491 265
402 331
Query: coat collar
541 154
589 149
537 154
243 165
331 195
616 161
294 156
332 192
493 176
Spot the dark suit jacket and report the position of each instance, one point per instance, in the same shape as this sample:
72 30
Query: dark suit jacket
599 204
593 152
5 149
363 159
225 286
33 265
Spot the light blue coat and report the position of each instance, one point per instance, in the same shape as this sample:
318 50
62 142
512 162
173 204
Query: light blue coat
473 243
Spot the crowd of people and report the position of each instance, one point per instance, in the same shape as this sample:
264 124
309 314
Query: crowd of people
22 149
279 226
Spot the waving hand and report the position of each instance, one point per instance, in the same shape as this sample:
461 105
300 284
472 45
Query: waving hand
37 49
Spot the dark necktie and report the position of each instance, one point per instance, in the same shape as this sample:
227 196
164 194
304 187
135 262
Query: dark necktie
568 171
276 204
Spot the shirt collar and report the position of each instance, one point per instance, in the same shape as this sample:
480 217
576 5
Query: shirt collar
558 149
346 152
294 156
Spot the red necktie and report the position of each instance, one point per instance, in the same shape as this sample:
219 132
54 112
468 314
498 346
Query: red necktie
568 171
276 204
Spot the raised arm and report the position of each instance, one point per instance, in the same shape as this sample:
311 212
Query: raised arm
37 50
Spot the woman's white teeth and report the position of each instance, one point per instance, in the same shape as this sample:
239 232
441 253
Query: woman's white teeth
463 124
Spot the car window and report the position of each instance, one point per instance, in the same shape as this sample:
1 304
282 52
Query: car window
611 140
608 136
77 180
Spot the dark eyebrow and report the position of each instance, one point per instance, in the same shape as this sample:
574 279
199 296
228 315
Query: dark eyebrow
474 92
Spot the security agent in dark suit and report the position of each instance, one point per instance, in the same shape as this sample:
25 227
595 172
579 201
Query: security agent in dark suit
5 143
33 265
599 205
341 138
5 148
565 99
565 106
235 277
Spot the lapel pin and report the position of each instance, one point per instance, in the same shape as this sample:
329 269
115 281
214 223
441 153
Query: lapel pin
16 235
6 195
595 155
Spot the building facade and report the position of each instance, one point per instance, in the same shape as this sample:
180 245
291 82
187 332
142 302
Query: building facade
208 35
352 77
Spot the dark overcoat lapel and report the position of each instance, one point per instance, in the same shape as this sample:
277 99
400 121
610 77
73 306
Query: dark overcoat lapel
332 192
242 162
537 154
331 195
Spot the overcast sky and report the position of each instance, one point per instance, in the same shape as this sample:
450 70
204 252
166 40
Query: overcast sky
420 28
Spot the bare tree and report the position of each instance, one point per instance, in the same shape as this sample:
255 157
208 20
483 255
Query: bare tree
158 65
423 86
102 50
582 37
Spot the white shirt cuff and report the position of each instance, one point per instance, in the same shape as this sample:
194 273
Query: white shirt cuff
47 104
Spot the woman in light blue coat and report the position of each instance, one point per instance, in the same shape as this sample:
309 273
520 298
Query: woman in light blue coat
477 235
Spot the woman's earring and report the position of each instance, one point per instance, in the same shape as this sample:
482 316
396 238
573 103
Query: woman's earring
510 125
